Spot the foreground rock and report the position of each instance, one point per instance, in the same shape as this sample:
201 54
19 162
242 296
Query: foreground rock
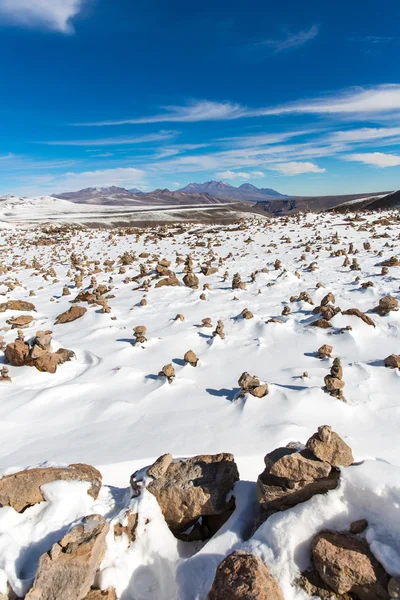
292 476
68 570
21 305
242 576
386 305
21 354
188 489
23 489
347 565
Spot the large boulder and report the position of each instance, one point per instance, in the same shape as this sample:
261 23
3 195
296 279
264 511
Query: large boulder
291 477
75 312
191 280
346 564
49 361
188 489
21 322
170 281
23 489
68 570
242 576
386 305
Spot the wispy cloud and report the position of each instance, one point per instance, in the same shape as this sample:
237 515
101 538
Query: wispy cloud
202 110
140 139
56 15
297 168
364 134
377 159
233 175
291 41
379 101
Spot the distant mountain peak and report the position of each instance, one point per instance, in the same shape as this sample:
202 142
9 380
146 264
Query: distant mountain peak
226 191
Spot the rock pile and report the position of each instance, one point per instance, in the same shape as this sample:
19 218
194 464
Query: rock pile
39 355
294 474
252 385
334 383
139 333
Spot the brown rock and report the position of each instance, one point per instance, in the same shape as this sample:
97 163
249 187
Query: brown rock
242 576
333 383
325 351
169 281
357 313
394 587
160 466
75 312
346 564
386 305
17 353
393 361
21 305
359 526
194 487
191 358
191 280
300 466
20 322
260 391
129 529
247 381
68 570
328 299
335 451
48 362
23 489
321 323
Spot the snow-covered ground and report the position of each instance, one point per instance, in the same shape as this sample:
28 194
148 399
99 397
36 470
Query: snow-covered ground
108 408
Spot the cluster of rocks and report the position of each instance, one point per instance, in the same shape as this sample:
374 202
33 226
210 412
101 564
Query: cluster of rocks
139 333
295 473
334 383
251 385
37 354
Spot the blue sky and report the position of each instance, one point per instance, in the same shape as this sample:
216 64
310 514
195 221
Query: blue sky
304 98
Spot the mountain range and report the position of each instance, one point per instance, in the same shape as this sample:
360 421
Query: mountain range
225 191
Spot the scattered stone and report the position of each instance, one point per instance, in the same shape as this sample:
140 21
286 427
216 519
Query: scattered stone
21 305
251 384
20 322
333 382
237 283
394 587
386 305
325 351
191 358
393 361
74 313
139 332
328 446
219 330
247 314
321 323
242 576
359 526
357 313
4 375
168 371
191 280
169 281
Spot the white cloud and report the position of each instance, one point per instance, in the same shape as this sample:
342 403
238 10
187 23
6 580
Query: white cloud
382 98
50 14
202 110
292 41
122 176
377 159
140 139
233 175
364 134
258 174
297 168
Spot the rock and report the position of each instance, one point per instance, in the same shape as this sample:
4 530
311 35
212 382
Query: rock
260 391
386 305
75 312
247 314
325 351
23 489
17 353
242 576
312 584
167 371
191 358
129 529
357 313
108 594
191 488
394 587
346 564
359 526
237 283
169 281
41 344
335 451
21 305
328 299
333 383
68 570
191 280
311 476
321 323
247 381
48 362
160 466
20 322
393 361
